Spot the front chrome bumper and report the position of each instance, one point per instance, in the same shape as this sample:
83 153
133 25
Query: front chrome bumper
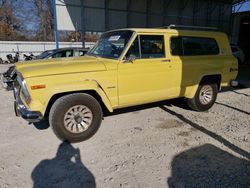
22 111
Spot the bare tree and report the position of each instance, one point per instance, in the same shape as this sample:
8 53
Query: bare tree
10 25
44 13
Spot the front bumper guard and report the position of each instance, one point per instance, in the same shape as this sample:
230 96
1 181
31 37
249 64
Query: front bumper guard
22 111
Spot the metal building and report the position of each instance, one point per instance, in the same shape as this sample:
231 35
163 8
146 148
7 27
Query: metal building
101 15
241 31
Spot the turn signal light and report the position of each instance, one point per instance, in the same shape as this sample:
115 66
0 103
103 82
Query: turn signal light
38 87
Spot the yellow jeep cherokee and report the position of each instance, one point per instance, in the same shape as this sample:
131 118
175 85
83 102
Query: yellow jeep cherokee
126 67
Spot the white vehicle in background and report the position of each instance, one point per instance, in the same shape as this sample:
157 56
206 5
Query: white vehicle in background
238 53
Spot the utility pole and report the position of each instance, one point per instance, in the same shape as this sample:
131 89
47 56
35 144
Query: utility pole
55 24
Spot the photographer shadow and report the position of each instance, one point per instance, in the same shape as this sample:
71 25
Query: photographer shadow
65 170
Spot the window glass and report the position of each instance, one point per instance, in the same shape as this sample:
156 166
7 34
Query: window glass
199 46
58 54
82 52
69 53
134 49
111 44
44 54
176 46
152 46
79 52
193 46
76 53
64 53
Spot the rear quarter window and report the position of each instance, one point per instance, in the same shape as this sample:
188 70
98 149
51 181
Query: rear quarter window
193 46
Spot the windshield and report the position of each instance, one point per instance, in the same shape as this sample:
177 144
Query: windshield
44 54
111 44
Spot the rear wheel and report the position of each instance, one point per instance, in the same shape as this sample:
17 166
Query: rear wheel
204 98
75 117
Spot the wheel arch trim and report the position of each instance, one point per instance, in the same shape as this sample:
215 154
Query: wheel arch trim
88 86
214 78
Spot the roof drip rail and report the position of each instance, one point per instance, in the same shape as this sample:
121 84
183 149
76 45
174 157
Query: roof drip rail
189 27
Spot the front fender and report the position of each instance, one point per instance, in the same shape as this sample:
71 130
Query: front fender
86 85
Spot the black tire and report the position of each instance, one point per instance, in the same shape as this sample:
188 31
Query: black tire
196 104
59 110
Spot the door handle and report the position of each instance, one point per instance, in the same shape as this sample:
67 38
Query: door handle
166 60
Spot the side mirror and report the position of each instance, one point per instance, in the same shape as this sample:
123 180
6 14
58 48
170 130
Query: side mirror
130 59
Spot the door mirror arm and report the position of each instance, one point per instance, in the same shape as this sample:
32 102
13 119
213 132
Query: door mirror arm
130 59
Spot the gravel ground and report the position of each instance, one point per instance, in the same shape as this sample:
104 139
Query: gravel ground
158 145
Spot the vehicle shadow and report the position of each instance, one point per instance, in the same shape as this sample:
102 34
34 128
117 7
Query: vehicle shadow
234 108
179 102
42 125
239 93
209 133
64 170
208 166
232 89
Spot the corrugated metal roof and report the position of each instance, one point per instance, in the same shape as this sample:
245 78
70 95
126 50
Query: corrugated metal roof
236 1
232 1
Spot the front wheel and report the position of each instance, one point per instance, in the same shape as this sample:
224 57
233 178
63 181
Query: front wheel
75 117
204 98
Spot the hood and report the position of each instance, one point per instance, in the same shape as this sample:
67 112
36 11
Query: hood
60 66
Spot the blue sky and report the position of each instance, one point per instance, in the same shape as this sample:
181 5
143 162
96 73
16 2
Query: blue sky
244 7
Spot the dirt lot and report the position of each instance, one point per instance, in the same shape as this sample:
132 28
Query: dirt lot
158 145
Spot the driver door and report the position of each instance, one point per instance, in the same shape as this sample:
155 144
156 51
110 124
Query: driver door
148 77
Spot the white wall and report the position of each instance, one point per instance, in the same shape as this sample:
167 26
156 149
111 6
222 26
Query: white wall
10 47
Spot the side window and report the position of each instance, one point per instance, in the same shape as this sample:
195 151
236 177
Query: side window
200 46
58 54
193 46
82 53
65 53
76 53
176 46
152 46
69 53
134 49
79 52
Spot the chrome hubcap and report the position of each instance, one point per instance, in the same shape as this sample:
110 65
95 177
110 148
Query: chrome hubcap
78 119
206 94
